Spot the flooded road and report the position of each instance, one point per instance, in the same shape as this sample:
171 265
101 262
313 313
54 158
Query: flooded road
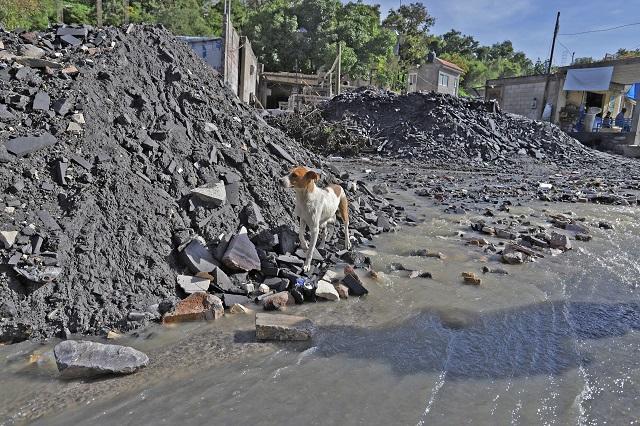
553 342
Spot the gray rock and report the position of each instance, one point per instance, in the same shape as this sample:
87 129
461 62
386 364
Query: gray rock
42 101
251 216
24 145
70 40
63 106
8 238
355 286
222 281
559 241
241 254
31 51
5 115
280 152
192 284
198 257
38 63
83 359
215 195
283 327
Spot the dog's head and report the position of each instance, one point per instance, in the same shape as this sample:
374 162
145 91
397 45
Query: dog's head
299 178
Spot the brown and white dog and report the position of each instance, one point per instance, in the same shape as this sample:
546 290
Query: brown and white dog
316 208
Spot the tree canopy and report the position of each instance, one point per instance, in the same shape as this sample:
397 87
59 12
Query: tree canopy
303 35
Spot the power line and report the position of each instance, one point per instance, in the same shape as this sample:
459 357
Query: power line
602 30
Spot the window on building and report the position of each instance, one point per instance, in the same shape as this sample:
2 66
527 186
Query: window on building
443 79
413 79
455 84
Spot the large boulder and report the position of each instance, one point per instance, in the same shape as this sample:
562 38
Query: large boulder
83 359
283 327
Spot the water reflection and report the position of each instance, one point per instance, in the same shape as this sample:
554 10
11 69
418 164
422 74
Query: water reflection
531 340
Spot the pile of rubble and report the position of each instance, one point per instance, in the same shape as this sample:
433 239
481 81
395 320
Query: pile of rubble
437 128
131 175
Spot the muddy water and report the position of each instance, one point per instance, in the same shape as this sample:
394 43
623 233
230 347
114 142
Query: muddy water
556 342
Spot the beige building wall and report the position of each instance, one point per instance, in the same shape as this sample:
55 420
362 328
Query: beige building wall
248 84
427 79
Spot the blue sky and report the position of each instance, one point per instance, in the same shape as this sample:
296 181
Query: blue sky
529 23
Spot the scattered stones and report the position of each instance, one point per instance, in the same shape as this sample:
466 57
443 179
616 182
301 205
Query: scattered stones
199 306
283 327
83 359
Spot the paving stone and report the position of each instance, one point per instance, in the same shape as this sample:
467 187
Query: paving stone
283 327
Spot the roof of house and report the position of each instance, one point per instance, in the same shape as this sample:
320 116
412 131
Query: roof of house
450 65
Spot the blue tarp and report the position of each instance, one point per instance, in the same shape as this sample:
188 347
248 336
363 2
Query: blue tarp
634 92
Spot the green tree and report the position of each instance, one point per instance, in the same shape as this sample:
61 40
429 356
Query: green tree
27 14
411 23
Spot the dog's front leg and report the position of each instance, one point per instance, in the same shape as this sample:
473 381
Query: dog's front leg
313 230
303 242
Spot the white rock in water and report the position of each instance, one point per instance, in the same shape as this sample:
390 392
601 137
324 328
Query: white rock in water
327 291
82 359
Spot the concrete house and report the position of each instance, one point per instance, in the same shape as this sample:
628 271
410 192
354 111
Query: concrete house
436 75
607 86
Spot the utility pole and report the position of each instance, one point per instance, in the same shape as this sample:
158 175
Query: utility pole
573 55
125 5
99 13
339 68
60 11
553 44
546 83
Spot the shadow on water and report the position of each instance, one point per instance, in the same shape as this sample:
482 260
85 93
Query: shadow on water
536 339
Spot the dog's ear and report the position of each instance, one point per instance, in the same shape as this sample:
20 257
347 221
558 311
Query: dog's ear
311 175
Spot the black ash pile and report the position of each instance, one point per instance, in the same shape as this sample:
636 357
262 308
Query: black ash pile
126 169
437 128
